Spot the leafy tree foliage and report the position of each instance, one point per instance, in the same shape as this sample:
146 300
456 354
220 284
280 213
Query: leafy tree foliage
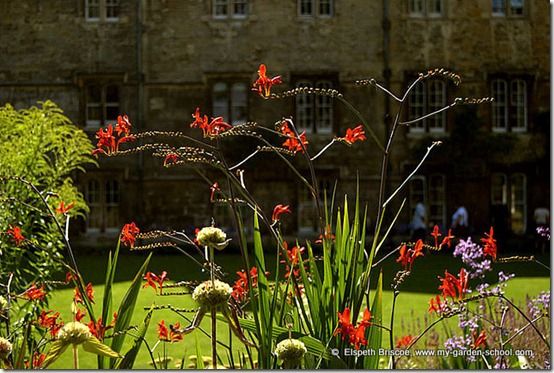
42 146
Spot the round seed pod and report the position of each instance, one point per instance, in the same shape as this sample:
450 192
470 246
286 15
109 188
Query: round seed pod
290 351
74 333
206 295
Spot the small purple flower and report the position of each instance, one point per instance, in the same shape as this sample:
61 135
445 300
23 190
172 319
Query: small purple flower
502 277
540 304
501 363
544 232
470 323
473 257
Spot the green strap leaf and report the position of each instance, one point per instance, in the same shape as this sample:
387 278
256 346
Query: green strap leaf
375 333
126 309
129 358
56 350
93 345
278 333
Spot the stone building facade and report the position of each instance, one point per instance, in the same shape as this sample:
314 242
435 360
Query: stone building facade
157 60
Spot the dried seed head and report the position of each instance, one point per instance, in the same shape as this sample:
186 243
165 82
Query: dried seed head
472 100
207 295
308 90
442 72
75 333
5 348
212 237
290 351
152 246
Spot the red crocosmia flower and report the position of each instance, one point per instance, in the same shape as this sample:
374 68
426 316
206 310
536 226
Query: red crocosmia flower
279 210
327 235
128 234
199 121
353 135
195 240
490 244
69 277
89 291
99 329
155 281
447 240
108 143
170 158
356 335
293 257
210 129
55 329
241 287
15 233
435 305
80 315
436 234
164 334
357 338
404 257
345 327
35 293
480 340
408 255
454 287
47 320
213 189
123 126
38 360
217 126
62 209
292 143
404 341
263 84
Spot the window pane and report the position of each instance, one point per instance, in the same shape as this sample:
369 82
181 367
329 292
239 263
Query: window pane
220 7
417 107
92 196
220 98
416 6
112 192
437 200
112 94
94 113
325 7
94 94
112 9
112 111
437 100
499 189
239 97
324 109
92 9
304 109
306 7
516 7
519 103
499 7
434 7
499 105
518 208
240 7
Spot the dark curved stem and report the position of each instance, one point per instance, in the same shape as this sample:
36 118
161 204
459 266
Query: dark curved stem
527 319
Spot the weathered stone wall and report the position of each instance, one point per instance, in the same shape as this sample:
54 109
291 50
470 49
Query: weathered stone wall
48 47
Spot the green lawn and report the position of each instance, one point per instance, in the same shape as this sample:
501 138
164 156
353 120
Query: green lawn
411 307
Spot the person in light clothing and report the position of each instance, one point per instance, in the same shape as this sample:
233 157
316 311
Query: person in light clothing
419 222
460 222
